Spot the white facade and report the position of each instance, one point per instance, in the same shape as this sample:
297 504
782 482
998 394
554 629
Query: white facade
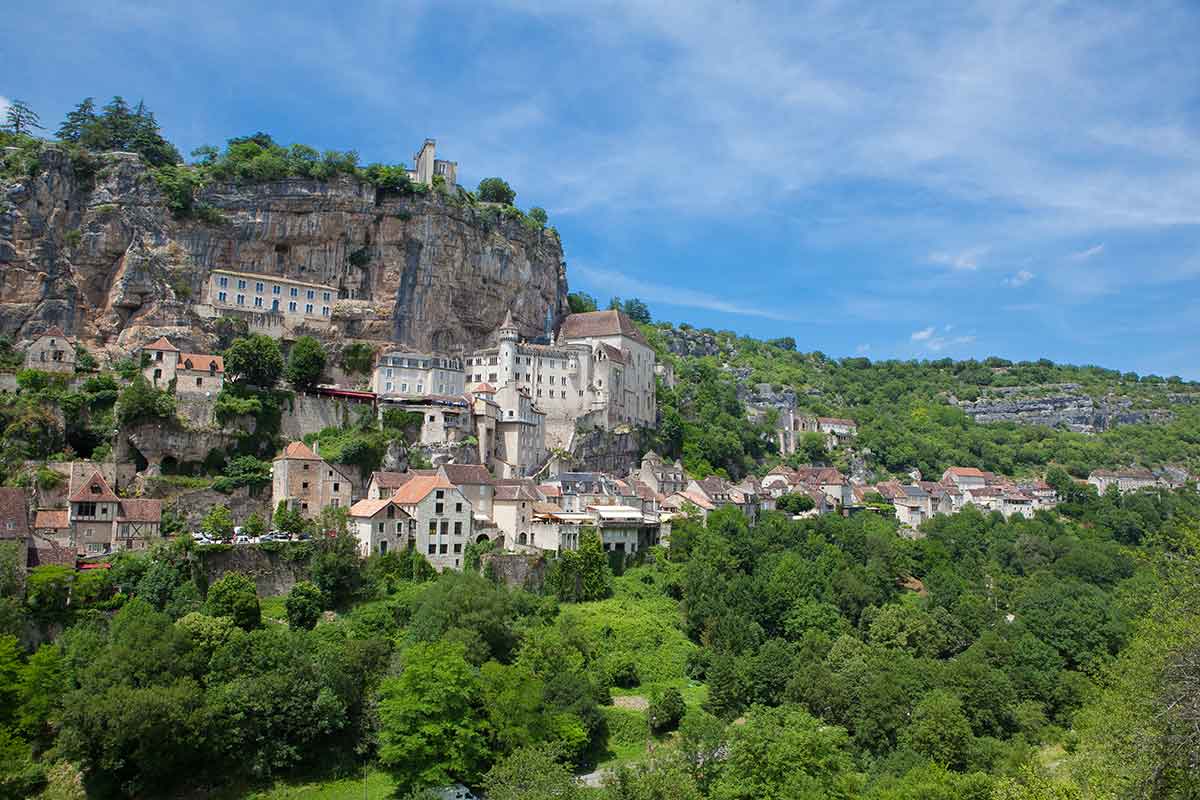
270 294
405 373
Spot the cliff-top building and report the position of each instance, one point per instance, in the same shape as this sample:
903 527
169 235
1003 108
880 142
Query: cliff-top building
426 165
599 371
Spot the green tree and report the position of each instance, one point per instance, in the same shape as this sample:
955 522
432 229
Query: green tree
666 710
535 772
538 215
795 503
939 730
496 190
78 120
19 118
234 595
305 363
583 574
431 726
254 360
288 520
141 402
358 358
255 525
218 523
304 604
581 302
636 310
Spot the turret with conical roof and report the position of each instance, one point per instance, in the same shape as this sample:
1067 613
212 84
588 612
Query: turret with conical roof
509 336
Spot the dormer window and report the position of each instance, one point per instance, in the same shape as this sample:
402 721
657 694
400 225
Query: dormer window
95 488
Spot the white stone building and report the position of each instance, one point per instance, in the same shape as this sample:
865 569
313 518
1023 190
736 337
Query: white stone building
52 351
291 299
381 526
442 517
404 373
197 373
426 165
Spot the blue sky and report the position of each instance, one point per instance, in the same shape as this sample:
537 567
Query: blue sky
895 180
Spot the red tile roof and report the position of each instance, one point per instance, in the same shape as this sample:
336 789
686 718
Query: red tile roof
967 472
392 480
140 511
613 353
417 489
371 507
86 495
600 323
299 451
516 492
161 343
201 361
54 330
460 474
484 388
51 519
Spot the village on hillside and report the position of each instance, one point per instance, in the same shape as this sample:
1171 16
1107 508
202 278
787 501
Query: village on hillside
515 409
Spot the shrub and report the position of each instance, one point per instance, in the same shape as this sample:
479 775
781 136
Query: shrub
496 190
141 402
359 358
666 710
233 595
304 604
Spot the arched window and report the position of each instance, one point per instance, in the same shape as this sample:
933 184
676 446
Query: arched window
521 538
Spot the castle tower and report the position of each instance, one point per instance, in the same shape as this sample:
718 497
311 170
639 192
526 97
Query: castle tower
508 348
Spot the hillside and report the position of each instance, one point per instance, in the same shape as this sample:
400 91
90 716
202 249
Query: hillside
916 414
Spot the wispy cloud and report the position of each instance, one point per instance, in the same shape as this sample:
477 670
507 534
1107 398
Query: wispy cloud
1084 255
922 335
4 104
964 260
621 284
862 349
1018 279
939 343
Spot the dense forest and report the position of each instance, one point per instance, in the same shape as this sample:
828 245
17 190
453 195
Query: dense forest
824 658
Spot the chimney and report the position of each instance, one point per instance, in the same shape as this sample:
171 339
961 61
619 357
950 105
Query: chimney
316 448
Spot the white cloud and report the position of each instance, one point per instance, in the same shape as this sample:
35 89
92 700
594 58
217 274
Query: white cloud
621 284
1084 255
939 343
863 349
964 260
4 104
1021 278
922 335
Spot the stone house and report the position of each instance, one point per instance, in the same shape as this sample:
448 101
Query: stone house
837 431
624 529
101 522
384 484
687 501
475 482
52 351
520 433
54 524
513 511
965 477
426 165
290 300
442 517
409 374
1129 479
660 476
381 526
198 373
308 483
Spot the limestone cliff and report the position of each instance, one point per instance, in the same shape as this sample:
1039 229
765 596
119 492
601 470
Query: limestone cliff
102 256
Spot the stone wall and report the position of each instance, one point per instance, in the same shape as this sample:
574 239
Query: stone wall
516 569
273 572
617 452
309 413
192 504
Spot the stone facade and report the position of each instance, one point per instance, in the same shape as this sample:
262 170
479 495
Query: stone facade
399 372
442 517
52 351
191 373
307 483
381 526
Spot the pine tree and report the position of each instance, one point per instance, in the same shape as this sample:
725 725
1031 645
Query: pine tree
20 118
78 121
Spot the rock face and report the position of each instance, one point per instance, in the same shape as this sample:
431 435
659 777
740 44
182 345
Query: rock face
103 257
691 342
1065 409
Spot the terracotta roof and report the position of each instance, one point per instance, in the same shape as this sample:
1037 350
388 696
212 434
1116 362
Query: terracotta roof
613 353
140 511
369 508
201 361
51 519
484 388
417 489
967 472
460 474
394 480
600 323
550 490
516 492
13 510
161 343
696 498
542 507
86 495
54 330
298 450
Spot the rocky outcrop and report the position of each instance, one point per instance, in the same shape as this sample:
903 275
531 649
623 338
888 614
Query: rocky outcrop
102 256
274 571
1065 409
691 342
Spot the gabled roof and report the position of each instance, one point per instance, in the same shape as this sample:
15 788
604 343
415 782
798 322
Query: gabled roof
13 509
298 451
600 323
85 494
394 480
966 472
161 343
201 361
678 499
484 388
140 511
461 474
372 506
56 331
612 353
516 492
51 519
417 489
550 490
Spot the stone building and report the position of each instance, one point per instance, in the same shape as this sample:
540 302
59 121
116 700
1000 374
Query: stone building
292 300
520 433
199 373
307 483
101 522
1129 479
660 476
399 372
52 351
14 517
599 371
426 165
442 518
476 484
381 526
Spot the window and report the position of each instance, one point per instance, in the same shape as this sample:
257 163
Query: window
274 290
445 527
199 381
87 510
379 527
274 305
258 302
221 296
389 386
458 508
335 502
295 292
457 547
439 508
157 374
241 299
304 506
433 527
306 467
439 494
223 282
311 295
325 296
337 487
388 372
292 306
304 485
258 287
458 529
442 549
241 284
324 311
308 308
432 548
404 387
420 388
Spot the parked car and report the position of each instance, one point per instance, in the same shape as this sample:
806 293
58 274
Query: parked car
454 792
241 539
